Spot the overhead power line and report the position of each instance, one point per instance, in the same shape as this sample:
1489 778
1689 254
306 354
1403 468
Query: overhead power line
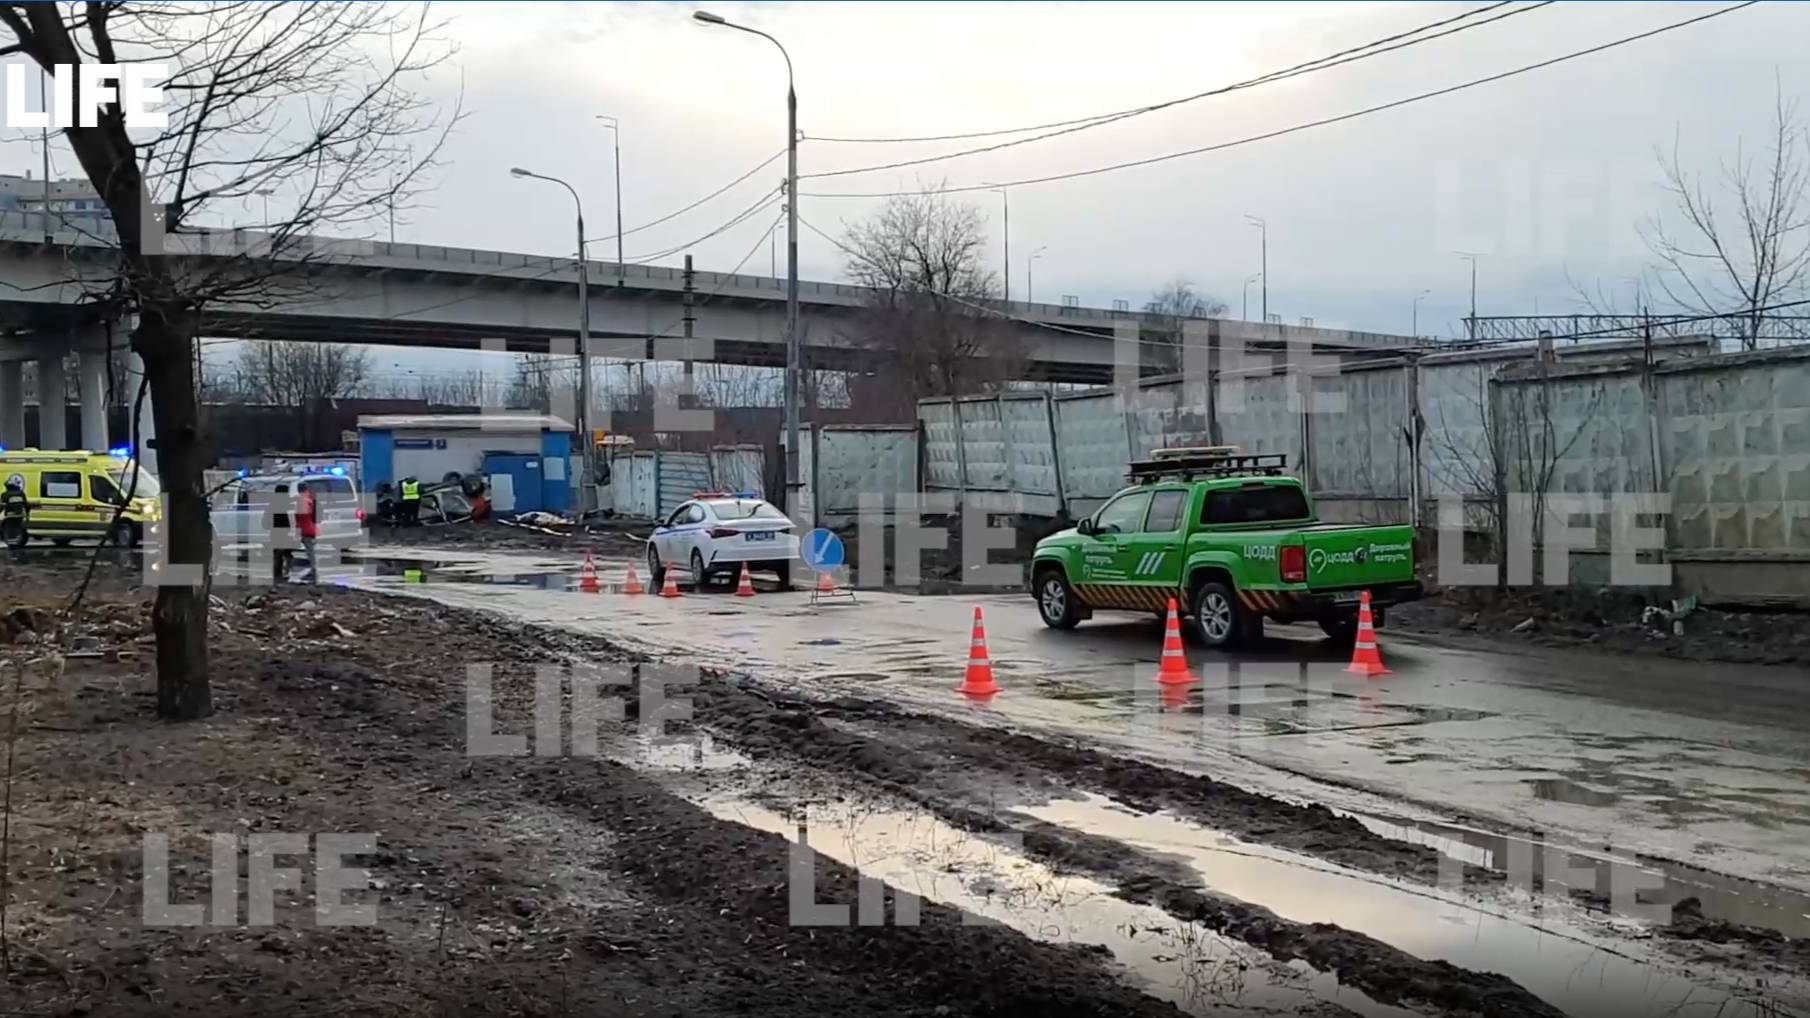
1364 52
753 210
674 215
1140 109
1296 128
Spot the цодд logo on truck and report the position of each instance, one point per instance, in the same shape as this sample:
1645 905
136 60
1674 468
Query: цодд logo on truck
1320 558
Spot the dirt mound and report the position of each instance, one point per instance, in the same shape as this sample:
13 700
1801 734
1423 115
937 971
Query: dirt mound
1613 621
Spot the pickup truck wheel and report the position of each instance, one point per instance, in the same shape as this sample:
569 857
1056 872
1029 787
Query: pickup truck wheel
1056 600
1342 628
1217 615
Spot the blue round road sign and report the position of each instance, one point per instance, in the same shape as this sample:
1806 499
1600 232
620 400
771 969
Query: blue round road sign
821 550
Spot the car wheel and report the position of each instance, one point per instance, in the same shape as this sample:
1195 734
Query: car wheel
1056 600
123 535
784 572
1342 628
61 542
1217 616
700 577
656 573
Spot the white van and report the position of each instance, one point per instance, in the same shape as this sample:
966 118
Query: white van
257 503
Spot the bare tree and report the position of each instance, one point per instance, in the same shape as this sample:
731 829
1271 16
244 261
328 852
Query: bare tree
1741 243
927 320
291 374
1173 304
1510 444
308 101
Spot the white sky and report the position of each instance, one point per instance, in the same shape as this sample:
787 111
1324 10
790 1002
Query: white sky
1545 175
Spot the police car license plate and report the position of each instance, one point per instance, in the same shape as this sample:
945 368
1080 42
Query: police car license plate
759 535
1347 596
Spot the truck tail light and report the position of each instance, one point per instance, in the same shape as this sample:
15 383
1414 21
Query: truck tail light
721 532
1294 564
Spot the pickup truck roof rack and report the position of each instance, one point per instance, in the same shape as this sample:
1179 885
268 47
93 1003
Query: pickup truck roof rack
1206 462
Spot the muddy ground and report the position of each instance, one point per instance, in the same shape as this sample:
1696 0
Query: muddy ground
1609 621
524 886
503 886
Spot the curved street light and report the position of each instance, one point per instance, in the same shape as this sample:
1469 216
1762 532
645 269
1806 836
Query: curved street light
584 340
792 358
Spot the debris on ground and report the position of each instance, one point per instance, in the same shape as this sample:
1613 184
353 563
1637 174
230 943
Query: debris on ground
1616 621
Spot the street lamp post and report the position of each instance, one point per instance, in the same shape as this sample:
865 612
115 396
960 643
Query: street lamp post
1244 306
584 343
1005 201
616 136
265 194
1030 280
1470 323
792 483
1263 268
1415 331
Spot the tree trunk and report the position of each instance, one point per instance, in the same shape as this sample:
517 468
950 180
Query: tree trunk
165 339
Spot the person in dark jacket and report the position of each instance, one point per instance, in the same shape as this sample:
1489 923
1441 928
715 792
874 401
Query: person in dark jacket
15 513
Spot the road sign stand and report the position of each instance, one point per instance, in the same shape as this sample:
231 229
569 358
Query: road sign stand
821 549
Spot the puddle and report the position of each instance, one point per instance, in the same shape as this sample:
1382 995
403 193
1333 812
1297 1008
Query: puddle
700 752
1732 899
1561 790
1566 968
1182 962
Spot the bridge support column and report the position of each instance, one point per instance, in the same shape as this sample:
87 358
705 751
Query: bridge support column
146 428
91 377
53 404
12 404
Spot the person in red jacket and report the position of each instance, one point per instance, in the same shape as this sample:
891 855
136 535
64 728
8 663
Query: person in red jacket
307 527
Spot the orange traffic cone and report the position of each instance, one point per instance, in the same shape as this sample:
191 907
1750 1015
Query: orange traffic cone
671 587
1174 670
826 583
587 577
1175 695
632 585
1366 659
978 679
746 587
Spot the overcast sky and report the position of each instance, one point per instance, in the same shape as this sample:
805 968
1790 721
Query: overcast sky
1544 175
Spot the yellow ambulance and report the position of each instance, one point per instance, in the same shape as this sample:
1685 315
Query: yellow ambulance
78 495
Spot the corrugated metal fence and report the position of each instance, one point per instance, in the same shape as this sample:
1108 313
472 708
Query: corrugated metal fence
652 483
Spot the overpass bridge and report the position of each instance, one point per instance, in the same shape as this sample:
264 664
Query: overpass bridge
423 295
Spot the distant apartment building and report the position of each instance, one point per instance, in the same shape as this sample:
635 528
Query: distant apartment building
74 200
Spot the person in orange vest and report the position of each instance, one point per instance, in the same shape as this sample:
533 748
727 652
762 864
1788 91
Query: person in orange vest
307 527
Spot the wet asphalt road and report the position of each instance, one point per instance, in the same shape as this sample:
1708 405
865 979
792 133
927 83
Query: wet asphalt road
1616 755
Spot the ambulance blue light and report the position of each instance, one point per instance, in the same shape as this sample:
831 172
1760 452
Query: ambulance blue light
120 452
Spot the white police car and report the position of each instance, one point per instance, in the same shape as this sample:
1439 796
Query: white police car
715 532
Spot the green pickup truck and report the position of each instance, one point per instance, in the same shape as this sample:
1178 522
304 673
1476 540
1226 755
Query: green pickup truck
1233 540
